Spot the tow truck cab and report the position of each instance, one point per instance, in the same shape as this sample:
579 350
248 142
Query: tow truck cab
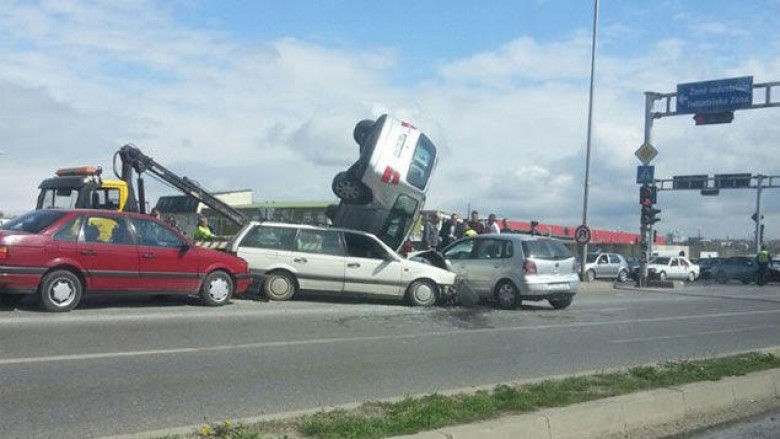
81 188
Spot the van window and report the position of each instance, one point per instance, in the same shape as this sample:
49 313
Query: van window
275 238
422 163
548 249
399 221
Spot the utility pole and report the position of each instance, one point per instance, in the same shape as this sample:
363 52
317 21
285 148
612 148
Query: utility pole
590 126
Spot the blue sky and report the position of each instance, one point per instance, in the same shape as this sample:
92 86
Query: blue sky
264 95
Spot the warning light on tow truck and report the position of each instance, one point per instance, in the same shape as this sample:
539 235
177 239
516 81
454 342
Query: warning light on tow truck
79 171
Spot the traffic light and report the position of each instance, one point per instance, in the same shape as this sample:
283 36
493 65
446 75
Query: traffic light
649 215
713 118
647 195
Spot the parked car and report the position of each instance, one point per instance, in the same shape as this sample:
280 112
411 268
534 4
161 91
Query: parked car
64 254
706 265
674 267
606 266
287 258
510 268
741 268
383 192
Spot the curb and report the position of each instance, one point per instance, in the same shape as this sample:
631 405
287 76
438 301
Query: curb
594 419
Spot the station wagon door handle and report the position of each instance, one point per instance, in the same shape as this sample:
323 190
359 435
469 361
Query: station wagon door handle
300 260
89 252
353 265
148 256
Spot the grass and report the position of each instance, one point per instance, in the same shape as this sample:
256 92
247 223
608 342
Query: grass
411 415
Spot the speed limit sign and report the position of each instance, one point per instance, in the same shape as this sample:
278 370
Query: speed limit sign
582 234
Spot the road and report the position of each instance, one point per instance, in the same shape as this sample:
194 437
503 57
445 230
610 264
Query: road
136 364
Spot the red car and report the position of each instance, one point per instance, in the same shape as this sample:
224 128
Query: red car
63 254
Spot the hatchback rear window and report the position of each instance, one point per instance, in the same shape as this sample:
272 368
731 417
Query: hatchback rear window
546 249
33 222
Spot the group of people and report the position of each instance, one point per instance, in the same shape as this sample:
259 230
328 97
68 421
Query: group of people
453 228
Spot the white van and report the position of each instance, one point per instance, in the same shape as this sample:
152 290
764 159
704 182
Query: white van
384 191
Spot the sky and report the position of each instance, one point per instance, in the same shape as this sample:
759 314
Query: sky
265 94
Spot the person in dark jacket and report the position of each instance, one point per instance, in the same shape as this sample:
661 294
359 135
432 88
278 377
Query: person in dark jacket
475 224
451 231
430 238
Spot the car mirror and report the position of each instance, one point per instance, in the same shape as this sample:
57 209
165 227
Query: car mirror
184 248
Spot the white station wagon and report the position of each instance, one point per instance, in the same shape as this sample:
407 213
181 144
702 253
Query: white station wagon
286 258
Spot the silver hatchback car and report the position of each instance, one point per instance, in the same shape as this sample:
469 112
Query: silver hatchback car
606 266
510 268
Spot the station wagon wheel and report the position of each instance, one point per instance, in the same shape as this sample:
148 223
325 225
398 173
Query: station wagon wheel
422 292
622 276
279 285
217 288
350 189
506 295
590 275
61 291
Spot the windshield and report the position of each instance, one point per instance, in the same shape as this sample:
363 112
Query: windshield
399 221
33 222
422 163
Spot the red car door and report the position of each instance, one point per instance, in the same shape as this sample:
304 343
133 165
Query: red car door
167 262
108 253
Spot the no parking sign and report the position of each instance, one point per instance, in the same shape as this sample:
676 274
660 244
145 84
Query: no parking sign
582 234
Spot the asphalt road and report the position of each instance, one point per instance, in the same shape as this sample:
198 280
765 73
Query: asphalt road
135 364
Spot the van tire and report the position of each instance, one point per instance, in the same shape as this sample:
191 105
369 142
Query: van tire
279 285
507 295
350 190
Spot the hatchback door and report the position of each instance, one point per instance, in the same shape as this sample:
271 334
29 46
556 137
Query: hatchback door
108 253
490 262
370 268
318 259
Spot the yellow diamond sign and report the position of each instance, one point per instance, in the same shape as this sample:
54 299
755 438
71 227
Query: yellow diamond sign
646 153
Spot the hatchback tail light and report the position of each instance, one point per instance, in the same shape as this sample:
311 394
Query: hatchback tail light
529 267
3 252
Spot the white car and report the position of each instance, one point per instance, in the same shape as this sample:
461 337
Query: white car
672 267
286 258
383 192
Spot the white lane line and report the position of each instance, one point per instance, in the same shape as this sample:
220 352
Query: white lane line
393 337
692 335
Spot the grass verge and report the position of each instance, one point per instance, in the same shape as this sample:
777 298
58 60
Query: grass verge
412 415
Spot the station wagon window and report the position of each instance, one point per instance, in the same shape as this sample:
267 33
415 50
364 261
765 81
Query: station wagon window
319 241
152 234
460 250
422 163
399 221
494 249
70 231
361 246
275 238
106 230
546 249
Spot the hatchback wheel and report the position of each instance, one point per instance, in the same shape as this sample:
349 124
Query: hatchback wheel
279 285
506 295
61 291
422 292
217 288
590 276
350 189
622 276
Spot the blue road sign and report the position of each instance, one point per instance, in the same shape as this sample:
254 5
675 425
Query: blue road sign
715 96
645 174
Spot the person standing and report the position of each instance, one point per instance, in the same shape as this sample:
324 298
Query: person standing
430 238
762 259
475 224
451 230
468 231
492 225
203 232
505 226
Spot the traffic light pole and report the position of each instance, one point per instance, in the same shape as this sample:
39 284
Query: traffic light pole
645 232
759 237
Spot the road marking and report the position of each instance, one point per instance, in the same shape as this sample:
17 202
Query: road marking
691 335
393 337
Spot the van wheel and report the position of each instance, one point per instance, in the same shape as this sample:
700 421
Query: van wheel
217 288
561 303
590 276
350 189
362 130
422 292
506 295
60 291
279 285
622 276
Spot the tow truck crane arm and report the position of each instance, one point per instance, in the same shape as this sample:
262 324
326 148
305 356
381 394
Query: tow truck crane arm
133 160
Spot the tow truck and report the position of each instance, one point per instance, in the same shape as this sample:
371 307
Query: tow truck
84 188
